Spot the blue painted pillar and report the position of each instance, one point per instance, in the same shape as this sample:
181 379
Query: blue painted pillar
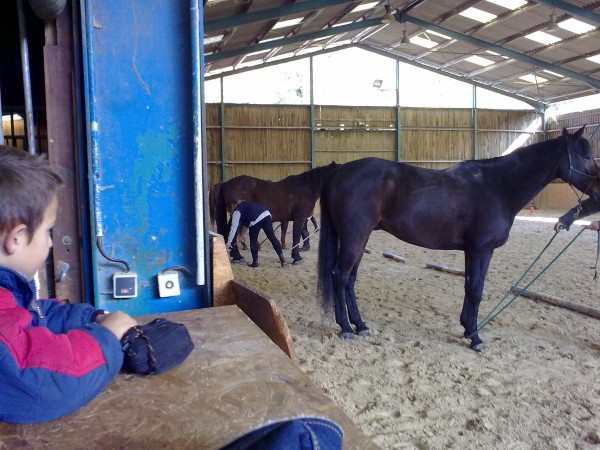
146 162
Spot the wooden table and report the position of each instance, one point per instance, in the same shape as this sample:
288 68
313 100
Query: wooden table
235 380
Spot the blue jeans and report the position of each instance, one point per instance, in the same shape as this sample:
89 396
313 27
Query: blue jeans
307 433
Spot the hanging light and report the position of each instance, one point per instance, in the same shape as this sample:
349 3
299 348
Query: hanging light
388 17
405 39
552 26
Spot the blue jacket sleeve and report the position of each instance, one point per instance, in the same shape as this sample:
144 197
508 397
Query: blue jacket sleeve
46 375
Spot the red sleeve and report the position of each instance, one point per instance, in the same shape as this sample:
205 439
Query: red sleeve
74 353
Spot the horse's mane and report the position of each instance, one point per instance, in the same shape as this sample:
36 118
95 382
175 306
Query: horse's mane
312 177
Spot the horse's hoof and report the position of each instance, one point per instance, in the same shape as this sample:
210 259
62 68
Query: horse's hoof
298 261
365 332
347 335
477 347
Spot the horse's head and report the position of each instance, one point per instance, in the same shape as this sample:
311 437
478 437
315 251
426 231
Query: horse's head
580 170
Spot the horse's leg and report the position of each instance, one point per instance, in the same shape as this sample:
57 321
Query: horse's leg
344 277
353 312
284 227
296 232
305 237
476 267
341 314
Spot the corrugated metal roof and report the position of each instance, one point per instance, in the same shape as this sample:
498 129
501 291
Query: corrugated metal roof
246 33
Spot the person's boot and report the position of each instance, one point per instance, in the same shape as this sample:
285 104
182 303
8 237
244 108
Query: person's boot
282 260
236 256
254 264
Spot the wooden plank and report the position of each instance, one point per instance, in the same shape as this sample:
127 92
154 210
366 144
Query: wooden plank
234 381
567 304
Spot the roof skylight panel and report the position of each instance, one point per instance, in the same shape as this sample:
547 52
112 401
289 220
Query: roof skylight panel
364 7
478 60
421 41
543 38
509 4
287 23
594 59
531 78
576 26
478 15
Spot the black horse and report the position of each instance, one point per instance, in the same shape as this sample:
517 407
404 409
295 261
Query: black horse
469 207
291 199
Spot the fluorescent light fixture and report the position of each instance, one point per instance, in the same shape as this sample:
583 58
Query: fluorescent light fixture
427 43
478 15
509 4
341 24
558 75
595 58
479 61
543 38
576 26
287 23
364 7
531 78
212 39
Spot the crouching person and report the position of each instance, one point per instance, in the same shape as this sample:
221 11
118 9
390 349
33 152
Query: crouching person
55 357
255 217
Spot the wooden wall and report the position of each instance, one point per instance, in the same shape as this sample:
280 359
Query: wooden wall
274 141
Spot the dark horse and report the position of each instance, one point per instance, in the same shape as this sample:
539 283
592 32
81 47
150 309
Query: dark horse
469 207
291 199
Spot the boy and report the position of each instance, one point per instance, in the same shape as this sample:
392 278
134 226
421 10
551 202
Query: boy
54 358
255 217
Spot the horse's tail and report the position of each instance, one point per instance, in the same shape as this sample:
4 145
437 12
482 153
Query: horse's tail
328 250
213 193
221 212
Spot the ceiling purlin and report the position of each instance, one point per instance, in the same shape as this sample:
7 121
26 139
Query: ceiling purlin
294 39
470 31
505 51
294 31
228 34
586 12
266 14
268 26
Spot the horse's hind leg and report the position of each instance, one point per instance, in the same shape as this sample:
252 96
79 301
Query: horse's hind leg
353 312
476 267
341 314
284 227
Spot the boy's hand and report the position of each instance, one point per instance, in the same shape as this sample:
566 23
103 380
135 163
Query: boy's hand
118 322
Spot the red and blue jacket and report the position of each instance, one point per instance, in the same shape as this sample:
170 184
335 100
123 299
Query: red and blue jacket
53 358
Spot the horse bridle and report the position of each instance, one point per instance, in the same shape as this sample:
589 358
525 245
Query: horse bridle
571 170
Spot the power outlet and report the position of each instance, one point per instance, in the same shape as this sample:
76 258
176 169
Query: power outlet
168 284
124 285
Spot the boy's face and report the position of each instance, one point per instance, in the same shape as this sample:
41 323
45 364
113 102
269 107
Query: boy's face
31 255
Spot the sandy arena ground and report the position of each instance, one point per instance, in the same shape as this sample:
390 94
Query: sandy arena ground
415 384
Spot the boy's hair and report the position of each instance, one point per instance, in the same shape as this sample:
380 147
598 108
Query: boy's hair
28 184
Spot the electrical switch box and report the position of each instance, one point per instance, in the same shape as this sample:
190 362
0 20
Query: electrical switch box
168 284
124 285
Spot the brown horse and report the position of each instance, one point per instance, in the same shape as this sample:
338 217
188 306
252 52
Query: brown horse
291 199
213 195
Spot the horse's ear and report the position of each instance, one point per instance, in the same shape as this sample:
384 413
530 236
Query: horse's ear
579 132
565 132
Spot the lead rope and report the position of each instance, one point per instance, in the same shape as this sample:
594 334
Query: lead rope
498 309
597 255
